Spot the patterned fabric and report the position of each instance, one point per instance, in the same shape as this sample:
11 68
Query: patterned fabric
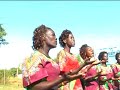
90 72
106 85
116 71
69 62
39 67
92 85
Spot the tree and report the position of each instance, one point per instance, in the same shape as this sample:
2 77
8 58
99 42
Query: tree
13 71
7 75
3 41
2 34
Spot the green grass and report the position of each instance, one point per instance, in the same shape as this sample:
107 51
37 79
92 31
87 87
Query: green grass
10 87
13 84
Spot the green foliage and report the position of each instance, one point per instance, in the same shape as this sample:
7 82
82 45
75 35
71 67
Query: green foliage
13 71
78 57
11 87
1 75
14 83
19 71
2 32
8 73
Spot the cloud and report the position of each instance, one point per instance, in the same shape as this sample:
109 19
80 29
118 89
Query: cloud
14 53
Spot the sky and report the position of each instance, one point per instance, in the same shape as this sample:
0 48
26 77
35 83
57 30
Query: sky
95 23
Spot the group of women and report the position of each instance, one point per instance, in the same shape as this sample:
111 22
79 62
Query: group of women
40 72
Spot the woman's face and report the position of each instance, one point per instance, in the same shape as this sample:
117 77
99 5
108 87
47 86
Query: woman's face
118 59
89 52
50 38
70 41
105 57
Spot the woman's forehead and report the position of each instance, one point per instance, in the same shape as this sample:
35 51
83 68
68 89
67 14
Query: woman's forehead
49 32
118 55
89 48
70 35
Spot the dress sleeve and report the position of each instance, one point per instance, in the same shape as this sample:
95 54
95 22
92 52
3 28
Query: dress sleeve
33 71
61 60
102 78
114 68
81 61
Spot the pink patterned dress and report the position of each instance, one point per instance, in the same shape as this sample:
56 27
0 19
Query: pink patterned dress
93 84
116 71
38 67
106 85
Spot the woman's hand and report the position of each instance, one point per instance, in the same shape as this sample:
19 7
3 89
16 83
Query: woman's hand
69 77
101 73
87 62
96 62
119 78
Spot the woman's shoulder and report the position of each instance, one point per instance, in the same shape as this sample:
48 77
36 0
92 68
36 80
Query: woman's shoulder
113 65
61 53
33 57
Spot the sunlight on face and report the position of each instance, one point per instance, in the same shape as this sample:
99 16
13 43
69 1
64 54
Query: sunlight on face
89 52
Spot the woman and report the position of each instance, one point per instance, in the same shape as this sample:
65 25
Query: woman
105 82
90 79
67 61
40 72
116 71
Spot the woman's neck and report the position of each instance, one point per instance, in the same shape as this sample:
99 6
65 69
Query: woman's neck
104 64
67 49
44 51
86 58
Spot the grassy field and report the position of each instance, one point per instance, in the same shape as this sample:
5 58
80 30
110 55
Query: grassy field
13 84
10 87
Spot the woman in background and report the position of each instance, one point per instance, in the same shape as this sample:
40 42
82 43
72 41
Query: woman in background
92 71
116 71
105 82
68 61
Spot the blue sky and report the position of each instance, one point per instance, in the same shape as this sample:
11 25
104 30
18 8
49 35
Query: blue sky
93 22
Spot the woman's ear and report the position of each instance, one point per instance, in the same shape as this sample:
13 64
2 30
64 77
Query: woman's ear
64 41
85 54
43 38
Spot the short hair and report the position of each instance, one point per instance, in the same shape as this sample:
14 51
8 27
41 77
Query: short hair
63 36
101 54
83 50
117 54
38 36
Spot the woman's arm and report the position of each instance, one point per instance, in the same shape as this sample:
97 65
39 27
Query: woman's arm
47 85
90 78
115 79
81 66
117 75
